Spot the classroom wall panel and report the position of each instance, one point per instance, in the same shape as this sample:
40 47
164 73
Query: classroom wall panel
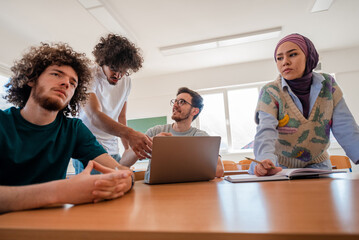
143 124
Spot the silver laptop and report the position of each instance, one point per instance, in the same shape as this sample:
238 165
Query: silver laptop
183 159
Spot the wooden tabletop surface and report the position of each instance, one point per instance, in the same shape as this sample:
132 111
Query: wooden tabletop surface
323 208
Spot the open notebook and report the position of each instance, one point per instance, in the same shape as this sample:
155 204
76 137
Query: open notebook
285 174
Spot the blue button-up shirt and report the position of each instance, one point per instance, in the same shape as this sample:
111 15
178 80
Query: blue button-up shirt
344 127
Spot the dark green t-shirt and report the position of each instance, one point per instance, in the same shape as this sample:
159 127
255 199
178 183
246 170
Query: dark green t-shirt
34 154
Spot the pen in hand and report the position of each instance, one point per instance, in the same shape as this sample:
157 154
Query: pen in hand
253 160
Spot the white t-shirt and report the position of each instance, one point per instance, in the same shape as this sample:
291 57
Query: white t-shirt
112 99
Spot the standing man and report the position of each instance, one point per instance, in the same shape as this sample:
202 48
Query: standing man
105 112
37 139
185 108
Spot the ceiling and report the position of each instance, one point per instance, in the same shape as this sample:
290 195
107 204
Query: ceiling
152 24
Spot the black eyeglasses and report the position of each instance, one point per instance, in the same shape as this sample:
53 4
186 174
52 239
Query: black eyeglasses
122 73
180 102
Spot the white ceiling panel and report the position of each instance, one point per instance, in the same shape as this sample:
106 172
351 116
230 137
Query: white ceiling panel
153 24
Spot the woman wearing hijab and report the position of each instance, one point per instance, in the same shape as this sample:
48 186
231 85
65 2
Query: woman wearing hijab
296 112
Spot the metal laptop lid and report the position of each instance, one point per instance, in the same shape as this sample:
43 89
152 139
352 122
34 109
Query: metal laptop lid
183 159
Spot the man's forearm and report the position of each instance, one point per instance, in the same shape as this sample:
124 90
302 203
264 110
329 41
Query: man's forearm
108 125
82 188
125 143
27 197
123 121
107 161
128 158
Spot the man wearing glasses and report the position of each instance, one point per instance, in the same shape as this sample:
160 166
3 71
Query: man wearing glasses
185 108
105 111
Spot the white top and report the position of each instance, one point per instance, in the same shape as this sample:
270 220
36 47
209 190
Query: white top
112 99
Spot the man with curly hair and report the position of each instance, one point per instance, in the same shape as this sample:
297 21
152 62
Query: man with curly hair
37 139
105 112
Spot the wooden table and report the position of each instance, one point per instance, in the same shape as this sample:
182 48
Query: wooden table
324 208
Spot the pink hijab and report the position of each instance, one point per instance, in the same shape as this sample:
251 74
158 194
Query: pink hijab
301 86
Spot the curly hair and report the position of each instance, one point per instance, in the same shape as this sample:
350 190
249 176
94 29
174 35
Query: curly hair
36 60
118 52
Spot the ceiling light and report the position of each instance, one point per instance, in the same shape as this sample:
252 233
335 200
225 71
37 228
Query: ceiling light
321 5
184 48
102 15
250 37
90 3
107 20
221 41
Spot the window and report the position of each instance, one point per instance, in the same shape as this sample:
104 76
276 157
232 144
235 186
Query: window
3 104
242 104
229 113
213 118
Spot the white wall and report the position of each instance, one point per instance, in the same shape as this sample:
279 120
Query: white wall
150 96
349 83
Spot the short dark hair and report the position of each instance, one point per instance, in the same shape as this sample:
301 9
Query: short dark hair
118 52
33 64
197 100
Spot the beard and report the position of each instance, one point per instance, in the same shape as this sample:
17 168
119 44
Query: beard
180 118
47 103
112 81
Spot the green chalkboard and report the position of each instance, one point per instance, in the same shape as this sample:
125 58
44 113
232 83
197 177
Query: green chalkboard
142 124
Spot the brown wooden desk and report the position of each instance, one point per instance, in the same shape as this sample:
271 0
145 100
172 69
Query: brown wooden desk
139 175
323 208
